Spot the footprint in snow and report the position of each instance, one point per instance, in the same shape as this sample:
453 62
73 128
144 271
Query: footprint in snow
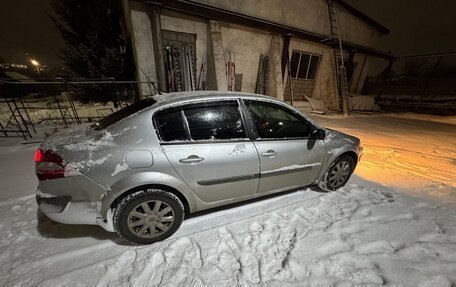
152 272
180 259
263 254
347 270
183 250
388 195
378 247
118 273
437 281
333 247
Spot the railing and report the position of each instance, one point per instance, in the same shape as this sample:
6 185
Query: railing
62 102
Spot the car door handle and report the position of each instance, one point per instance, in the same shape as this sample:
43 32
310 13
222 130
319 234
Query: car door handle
191 159
269 153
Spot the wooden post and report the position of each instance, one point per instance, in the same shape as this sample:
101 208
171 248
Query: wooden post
158 48
129 42
218 56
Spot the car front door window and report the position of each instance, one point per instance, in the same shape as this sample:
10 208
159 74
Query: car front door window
274 122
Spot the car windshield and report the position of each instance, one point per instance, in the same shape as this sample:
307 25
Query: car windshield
123 113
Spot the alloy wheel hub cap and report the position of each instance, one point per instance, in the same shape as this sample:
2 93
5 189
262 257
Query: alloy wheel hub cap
339 174
152 219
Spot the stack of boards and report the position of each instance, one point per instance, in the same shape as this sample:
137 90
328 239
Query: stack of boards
230 70
263 75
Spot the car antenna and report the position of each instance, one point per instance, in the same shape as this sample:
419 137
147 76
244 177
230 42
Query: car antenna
150 81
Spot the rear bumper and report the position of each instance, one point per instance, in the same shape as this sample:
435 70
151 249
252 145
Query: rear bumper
64 209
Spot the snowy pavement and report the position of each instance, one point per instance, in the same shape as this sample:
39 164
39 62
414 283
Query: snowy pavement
362 234
415 155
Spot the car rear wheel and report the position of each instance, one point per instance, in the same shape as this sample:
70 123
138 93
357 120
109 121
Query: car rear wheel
148 216
339 172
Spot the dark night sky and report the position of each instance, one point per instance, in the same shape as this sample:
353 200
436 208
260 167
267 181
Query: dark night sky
418 26
25 26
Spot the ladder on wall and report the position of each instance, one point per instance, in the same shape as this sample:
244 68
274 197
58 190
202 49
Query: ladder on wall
341 71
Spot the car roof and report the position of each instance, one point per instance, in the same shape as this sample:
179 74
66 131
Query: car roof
170 98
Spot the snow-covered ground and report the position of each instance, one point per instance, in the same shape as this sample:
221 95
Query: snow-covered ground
371 232
413 153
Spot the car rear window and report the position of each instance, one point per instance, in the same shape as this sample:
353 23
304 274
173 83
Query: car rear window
123 113
170 126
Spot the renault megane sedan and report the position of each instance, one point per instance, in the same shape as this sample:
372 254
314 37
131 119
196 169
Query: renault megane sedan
139 171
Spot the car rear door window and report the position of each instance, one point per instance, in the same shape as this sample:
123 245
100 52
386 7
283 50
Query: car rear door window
215 122
171 126
276 122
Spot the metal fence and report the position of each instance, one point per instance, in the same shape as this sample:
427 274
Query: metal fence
61 102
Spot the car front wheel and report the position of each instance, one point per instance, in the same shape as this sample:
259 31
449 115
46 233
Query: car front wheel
339 172
148 216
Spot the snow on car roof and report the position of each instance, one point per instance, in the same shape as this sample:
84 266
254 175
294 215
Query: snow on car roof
167 98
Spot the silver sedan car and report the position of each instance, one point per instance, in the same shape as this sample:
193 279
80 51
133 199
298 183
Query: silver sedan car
139 171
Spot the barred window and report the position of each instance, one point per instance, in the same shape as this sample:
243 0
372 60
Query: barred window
304 65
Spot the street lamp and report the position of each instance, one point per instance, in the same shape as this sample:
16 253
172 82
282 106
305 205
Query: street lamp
36 64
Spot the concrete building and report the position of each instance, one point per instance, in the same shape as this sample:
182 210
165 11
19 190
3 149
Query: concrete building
250 46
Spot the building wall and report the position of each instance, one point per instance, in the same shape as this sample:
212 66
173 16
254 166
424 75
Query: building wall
143 42
301 88
308 18
247 46
308 15
356 31
143 45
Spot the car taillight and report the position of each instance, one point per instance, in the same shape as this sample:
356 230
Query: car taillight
48 165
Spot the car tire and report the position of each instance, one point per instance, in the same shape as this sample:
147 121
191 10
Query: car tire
148 216
339 173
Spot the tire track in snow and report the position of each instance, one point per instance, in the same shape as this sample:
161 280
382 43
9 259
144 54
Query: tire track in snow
436 154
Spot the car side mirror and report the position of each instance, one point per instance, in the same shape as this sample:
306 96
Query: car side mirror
318 134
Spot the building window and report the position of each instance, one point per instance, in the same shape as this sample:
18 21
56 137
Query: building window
304 65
